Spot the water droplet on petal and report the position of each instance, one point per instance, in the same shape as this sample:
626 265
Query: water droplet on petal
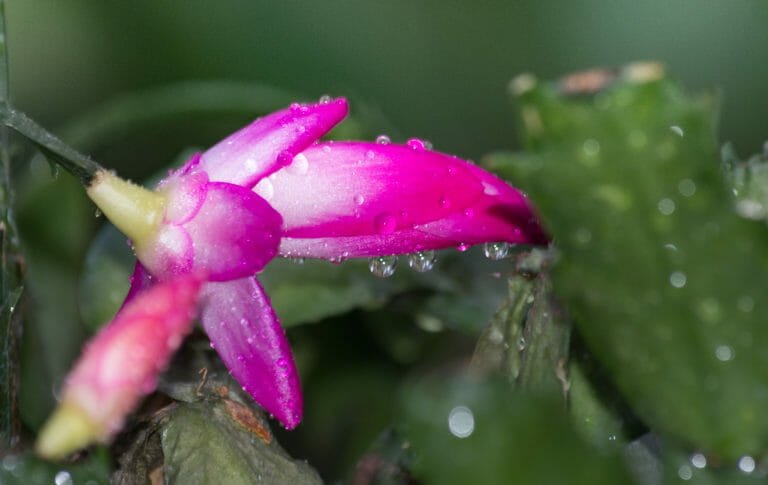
325 99
416 144
383 140
359 199
462 247
422 261
383 266
369 154
295 107
496 250
385 223
299 165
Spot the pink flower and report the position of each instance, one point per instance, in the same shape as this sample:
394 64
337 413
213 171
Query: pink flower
120 365
271 189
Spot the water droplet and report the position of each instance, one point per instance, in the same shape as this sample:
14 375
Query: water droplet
370 154
462 247
284 158
97 213
745 304
383 266
327 148
496 250
677 130
63 478
296 260
282 363
686 187
416 144
521 343
461 422
591 147
724 353
295 107
678 279
666 206
385 223
699 460
299 165
685 472
383 140
747 464
265 189
422 261
325 99
359 199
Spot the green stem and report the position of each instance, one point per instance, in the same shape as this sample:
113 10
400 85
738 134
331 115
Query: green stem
68 158
11 277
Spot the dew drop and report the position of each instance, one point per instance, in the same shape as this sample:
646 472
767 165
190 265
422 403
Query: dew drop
63 478
295 107
678 279
461 422
677 130
383 140
359 199
325 99
265 189
97 213
422 261
462 247
299 165
666 206
724 353
747 464
383 266
385 223
284 158
416 144
369 154
686 187
699 460
496 250
296 260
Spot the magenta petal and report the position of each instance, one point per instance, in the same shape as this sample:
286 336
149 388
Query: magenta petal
245 332
364 199
270 142
140 280
235 232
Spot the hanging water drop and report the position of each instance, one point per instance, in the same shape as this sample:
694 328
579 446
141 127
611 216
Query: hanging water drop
416 144
462 247
496 250
422 261
383 140
383 266
325 99
298 260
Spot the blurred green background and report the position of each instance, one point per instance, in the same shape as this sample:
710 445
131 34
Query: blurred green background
437 69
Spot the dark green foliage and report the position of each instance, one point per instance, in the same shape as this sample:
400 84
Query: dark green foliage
665 282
